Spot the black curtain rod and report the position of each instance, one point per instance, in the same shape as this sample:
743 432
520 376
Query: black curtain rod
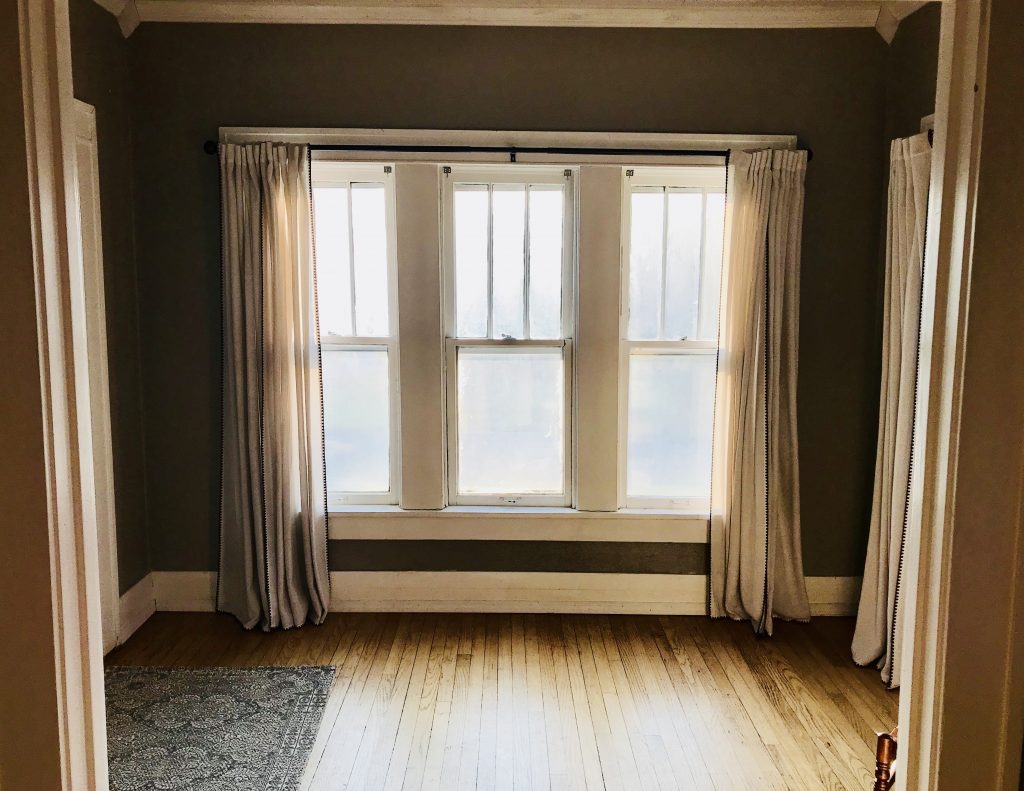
210 147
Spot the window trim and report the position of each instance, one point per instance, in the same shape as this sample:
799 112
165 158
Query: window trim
697 178
323 172
450 175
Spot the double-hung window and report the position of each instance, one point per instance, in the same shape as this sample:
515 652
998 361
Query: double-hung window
508 238
353 213
674 229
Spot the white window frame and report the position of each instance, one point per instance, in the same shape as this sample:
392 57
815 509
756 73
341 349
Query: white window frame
508 174
333 172
694 178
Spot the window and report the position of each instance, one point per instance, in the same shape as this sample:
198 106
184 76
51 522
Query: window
675 219
559 322
353 211
508 239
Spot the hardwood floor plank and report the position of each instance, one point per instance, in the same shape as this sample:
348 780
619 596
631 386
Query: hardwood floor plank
486 773
469 767
389 775
583 721
410 776
467 702
442 710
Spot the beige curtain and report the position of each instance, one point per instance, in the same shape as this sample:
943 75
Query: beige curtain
878 636
756 563
273 527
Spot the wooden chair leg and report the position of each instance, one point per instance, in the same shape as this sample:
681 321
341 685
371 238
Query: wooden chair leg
885 756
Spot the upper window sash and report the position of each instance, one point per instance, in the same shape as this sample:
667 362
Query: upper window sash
504 191
679 238
369 296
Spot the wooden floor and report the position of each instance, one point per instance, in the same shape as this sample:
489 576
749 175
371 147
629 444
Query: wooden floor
563 702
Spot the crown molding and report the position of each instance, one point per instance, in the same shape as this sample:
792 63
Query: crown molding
125 11
890 15
552 13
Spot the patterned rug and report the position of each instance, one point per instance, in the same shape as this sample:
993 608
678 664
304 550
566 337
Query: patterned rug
212 729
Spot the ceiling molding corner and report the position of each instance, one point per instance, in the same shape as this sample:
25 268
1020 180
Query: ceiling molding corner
128 19
112 6
887 23
890 15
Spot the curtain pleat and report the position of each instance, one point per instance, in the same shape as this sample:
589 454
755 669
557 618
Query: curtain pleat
878 636
273 528
756 563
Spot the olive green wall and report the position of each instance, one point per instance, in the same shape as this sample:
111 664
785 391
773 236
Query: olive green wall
165 90
827 86
100 75
911 71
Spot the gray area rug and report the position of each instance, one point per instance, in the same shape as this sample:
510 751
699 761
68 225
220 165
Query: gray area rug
212 729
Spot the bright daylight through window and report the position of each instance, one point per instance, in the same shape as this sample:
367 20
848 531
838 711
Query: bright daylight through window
676 229
498 343
509 349
352 218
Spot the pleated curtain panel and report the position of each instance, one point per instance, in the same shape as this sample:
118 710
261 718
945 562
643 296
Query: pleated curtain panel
878 636
756 564
273 525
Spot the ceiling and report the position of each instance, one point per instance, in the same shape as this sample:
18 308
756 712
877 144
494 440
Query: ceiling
883 16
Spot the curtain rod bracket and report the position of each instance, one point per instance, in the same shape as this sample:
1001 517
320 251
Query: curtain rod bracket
210 146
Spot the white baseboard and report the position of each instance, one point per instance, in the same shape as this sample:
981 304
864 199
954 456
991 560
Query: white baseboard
518 591
833 595
135 607
185 591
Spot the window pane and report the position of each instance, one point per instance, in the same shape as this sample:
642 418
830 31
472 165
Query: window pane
471 261
714 232
546 212
511 421
646 238
509 218
330 215
370 254
671 404
682 266
356 420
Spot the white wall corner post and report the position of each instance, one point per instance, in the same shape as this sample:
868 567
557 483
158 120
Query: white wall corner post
597 337
420 347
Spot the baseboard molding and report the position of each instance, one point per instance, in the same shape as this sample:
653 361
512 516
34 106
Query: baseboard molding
185 591
518 591
833 595
135 607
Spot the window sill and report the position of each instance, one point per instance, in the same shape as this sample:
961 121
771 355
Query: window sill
515 523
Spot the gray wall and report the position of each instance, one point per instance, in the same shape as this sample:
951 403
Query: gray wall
100 74
828 86
911 72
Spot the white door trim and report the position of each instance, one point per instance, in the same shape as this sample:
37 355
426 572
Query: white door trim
88 197
44 32
929 568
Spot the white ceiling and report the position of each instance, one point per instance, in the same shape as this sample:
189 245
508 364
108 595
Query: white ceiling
884 16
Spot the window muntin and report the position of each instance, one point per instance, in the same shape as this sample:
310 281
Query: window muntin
353 214
508 259
509 235
675 225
